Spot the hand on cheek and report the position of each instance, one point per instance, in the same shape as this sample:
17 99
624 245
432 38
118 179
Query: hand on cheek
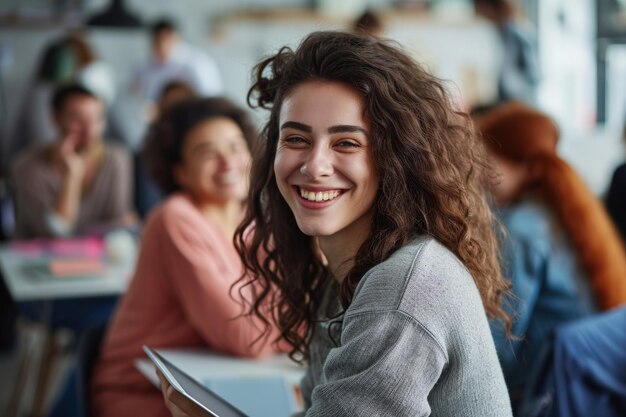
73 164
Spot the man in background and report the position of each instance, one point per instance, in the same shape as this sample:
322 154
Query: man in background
76 184
174 60
520 70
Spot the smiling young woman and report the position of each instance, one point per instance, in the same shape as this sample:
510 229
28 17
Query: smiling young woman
367 196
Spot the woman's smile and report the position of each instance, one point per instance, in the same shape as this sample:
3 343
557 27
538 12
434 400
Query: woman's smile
325 195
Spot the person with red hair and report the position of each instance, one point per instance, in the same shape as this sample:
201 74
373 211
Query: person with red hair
560 250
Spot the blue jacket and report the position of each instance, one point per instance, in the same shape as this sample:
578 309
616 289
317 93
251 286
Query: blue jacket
585 374
548 283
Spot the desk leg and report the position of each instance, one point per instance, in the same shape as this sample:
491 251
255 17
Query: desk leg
48 361
46 344
26 356
49 356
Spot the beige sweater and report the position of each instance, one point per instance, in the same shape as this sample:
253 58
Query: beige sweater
37 184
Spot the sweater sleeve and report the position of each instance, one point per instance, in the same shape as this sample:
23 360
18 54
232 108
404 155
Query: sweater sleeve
387 364
202 282
33 200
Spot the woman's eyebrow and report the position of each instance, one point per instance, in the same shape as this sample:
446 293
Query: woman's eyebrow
346 129
333 129
201 147
297 125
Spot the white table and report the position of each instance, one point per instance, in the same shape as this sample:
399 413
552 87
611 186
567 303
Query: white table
27 278
203 365
27 284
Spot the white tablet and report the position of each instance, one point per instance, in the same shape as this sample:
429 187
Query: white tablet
193 390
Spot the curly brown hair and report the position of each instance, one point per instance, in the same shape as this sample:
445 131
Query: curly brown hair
164 143
431 166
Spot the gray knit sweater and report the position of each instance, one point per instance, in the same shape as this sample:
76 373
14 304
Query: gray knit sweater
413 342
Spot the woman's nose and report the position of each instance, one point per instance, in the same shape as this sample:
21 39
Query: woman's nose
227 162
318 163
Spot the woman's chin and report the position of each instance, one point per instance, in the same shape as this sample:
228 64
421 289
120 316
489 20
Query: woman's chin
315 229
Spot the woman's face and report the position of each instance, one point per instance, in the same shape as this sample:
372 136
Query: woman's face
215 162
512 178
324 165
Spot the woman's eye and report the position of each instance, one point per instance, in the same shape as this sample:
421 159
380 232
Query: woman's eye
295 140
347 144
208 155
238 148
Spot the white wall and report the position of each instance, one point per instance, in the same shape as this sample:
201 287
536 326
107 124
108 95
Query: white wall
568 90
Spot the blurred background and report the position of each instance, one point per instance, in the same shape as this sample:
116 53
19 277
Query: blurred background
580 46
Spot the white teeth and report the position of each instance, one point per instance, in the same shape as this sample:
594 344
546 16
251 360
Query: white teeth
229 178
320 195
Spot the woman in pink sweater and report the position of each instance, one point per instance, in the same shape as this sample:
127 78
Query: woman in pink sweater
181 293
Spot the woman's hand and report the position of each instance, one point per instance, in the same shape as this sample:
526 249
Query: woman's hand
178 404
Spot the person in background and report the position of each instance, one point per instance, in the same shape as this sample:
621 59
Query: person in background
183 293
519 72
560 249
616 196
147 192
174 60
616 199
92 73
367 192
78 184
368 23
173 93
75 186
585 372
